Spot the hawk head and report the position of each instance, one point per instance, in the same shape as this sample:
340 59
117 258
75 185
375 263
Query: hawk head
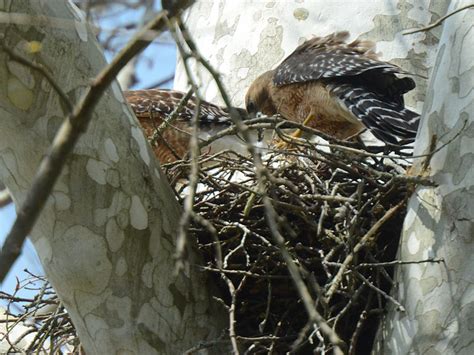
258 98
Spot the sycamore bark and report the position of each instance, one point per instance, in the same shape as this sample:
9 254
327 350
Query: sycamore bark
106 237
439 298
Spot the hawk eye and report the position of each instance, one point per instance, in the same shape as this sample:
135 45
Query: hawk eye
251 107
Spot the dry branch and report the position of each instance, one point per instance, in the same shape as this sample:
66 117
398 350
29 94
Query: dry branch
439 21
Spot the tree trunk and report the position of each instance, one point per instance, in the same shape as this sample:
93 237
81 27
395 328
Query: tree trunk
439 297
107 233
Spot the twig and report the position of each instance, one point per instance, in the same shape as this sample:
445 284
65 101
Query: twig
299 283
245 273
42 70
169 119
362 243
439 21
398 262
358 330
383 293
189 200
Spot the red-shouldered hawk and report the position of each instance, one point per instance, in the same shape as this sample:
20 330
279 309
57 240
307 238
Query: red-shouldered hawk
338 88
152 107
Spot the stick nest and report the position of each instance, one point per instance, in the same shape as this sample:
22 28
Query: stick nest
313 233
338 217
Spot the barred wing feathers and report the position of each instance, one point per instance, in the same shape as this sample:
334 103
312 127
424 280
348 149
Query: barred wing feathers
367 86
161 101
388 121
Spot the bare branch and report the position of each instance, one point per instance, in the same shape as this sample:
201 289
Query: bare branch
41 69
439 21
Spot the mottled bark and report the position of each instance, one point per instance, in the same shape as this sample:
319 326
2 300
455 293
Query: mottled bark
439 298
106 237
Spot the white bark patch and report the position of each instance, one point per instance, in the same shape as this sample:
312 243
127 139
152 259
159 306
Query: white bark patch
409 218
406 327
400 46
117 92
81 28
413 244
114 235
96 325
122 219
428 284
113 177
467 54
111 150
466 145
242 73
432 201
43 246
19 94
10 166
121 267
88 302
138 214
22 72
120 202
83 259
147 275
420 12
121 306
62 201
151 318
137 134
78 14
97 171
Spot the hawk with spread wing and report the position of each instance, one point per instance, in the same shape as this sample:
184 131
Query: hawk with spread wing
338 88
153 107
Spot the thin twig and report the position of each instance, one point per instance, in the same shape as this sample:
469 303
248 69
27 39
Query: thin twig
361 244
383 293
42 70
439 21
399 262
299 283
189 200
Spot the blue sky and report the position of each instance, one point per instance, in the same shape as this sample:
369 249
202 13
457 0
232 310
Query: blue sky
157 62
28 259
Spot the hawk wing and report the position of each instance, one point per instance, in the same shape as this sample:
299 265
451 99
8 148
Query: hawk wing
388 121
153 107
365 85
163 102
330 57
